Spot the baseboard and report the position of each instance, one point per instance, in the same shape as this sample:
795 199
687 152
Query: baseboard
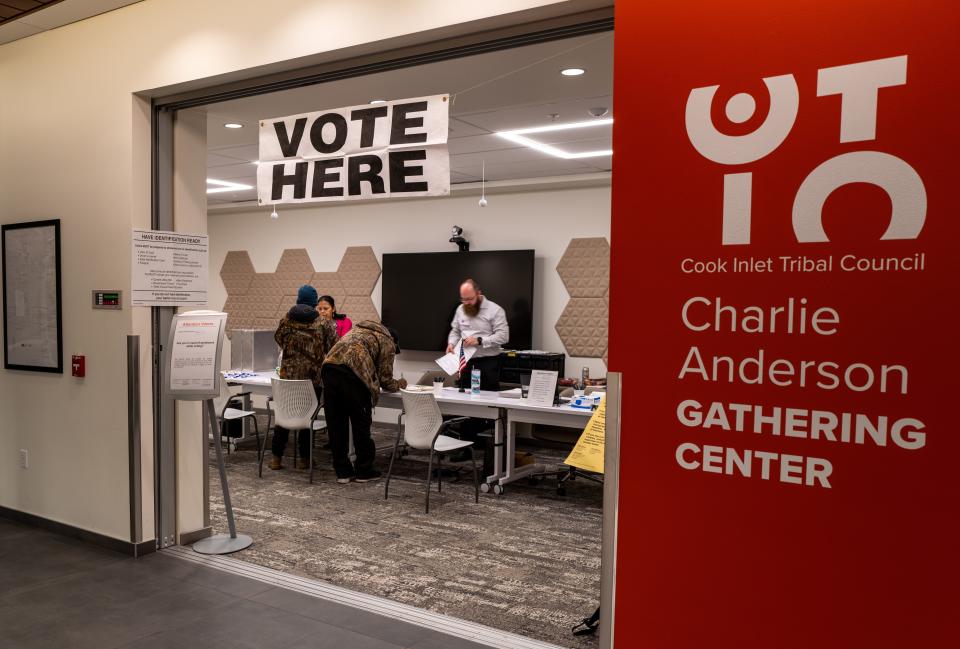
186 538
144 547
94 538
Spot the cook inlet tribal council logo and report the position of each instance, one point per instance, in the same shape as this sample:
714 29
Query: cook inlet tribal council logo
859 85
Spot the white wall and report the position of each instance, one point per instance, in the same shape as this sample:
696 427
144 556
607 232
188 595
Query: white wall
74 145
542 219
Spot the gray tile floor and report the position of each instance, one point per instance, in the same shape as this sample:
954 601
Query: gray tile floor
57 592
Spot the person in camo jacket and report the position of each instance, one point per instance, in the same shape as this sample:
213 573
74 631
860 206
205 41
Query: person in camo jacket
304 339
355 370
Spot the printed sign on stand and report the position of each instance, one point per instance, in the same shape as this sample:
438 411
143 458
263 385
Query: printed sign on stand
193 374
543 387
196 342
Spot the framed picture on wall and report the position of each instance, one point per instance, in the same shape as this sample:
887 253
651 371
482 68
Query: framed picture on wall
32 336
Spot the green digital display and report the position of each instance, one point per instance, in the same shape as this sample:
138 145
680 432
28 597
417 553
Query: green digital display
107 299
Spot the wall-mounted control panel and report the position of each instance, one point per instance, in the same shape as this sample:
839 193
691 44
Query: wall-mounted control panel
107 299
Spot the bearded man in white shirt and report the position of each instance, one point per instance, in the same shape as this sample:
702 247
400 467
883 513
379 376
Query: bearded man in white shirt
480 323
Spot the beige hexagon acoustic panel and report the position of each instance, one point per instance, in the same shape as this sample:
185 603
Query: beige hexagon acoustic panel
259 300
585 267
585 272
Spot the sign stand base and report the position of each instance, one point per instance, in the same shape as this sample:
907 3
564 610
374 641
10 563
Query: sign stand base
221 543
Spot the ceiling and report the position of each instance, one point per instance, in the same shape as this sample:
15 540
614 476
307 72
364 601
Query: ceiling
22 18
506 90
13 9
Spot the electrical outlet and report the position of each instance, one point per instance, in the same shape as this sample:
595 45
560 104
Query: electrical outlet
24 459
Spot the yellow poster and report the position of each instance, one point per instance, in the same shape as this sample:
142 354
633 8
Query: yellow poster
588 453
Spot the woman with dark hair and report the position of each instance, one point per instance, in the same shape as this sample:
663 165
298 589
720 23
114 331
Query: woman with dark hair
328 311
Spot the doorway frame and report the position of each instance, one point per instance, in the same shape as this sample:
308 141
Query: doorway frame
163 110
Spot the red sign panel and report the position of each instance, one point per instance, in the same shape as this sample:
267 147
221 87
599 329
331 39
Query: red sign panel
783 308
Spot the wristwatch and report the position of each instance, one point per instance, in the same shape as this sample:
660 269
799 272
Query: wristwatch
479 341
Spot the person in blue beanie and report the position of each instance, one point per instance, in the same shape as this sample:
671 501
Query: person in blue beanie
304 339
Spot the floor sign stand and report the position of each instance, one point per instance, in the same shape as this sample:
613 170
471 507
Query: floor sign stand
221 543
196 344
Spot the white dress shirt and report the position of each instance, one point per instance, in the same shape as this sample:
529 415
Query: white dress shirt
490 323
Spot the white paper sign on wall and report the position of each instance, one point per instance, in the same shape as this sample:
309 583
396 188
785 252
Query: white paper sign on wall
169 269
389 149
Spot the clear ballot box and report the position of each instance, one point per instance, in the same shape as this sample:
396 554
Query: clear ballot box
253 350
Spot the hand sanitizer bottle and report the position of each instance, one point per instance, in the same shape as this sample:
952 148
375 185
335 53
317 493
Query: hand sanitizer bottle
475 381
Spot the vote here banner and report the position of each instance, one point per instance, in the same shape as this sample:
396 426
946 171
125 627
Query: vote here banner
383 150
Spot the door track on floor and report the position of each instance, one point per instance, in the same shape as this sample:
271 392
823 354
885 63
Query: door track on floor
438 622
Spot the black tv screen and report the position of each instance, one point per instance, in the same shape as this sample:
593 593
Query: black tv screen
421 291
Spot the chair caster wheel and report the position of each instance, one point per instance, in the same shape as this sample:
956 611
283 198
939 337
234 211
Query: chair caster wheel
497 489
561 491
485 488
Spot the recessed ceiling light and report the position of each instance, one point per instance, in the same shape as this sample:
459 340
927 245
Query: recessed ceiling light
221 186
572 72
519 136
378 101
232 125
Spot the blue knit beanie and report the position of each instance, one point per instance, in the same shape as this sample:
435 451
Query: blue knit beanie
307 295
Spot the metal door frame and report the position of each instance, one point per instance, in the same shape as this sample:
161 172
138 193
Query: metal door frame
163 110
164 408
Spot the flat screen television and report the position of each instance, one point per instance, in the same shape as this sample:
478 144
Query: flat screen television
421 293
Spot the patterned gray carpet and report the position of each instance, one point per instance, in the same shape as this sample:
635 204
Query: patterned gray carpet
527 561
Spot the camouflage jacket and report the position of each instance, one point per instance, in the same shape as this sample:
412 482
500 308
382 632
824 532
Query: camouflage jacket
304 340
368 350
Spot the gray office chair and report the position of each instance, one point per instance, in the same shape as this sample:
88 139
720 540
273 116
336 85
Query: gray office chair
423 429
295 407
225 413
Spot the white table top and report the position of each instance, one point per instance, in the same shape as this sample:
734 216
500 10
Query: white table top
567 409
243 377
450 395
493 399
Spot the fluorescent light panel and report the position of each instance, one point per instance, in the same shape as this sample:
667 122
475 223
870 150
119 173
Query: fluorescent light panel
519 136
225 186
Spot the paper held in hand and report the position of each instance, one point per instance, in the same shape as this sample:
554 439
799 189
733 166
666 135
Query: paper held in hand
450 363
588 453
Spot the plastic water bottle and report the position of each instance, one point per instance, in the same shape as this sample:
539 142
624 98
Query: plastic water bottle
475 381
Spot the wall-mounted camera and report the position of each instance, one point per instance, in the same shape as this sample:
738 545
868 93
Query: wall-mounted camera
456 236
